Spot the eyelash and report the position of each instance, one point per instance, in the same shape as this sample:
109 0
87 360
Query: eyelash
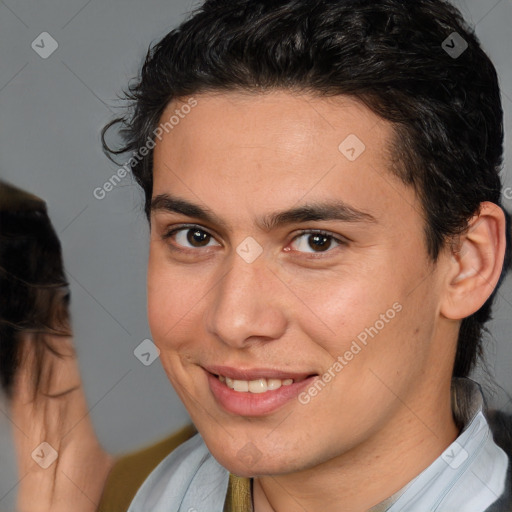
185 227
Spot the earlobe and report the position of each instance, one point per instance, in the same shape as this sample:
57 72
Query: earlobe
476 263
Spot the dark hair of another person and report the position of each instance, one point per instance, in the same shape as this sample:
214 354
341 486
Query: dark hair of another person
34 294
446 112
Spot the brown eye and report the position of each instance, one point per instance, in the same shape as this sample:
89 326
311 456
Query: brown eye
198 238
319 242
192 238
309 242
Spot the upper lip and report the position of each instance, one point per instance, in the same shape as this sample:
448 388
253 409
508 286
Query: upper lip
241 373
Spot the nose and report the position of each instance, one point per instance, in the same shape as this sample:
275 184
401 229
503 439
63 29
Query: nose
244 307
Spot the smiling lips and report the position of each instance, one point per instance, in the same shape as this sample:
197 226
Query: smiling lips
254 386
257 380
256 392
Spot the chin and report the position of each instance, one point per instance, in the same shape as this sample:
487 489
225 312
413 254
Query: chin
249 461
250 469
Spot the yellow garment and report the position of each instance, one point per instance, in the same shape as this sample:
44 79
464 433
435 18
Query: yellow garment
238 497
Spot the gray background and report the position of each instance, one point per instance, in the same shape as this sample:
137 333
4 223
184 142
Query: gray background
51 113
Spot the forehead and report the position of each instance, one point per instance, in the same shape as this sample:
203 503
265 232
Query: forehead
260 152
279 121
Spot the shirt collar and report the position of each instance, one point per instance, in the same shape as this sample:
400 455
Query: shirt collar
469 475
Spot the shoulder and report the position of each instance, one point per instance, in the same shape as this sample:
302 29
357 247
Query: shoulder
131 470
500 424
187 479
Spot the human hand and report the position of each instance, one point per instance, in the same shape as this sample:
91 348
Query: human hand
59 416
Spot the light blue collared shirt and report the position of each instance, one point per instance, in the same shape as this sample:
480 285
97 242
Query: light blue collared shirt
469 476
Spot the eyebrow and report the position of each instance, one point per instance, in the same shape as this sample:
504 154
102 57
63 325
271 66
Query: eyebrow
311 212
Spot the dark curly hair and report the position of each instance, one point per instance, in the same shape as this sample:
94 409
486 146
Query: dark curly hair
34 298
446 111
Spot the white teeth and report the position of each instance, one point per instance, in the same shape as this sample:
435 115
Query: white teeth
255 386
273 384
258 386
241 385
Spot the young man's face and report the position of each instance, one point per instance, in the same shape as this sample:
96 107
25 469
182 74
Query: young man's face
338 294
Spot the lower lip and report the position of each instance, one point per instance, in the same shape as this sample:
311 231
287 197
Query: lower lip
255 404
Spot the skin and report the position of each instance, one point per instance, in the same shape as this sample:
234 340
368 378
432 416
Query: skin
59 416
243 157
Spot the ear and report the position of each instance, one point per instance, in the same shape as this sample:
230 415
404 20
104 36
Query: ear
476 262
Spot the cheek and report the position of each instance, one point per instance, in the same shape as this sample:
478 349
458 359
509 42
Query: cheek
158 296
335 310
176 298
369 324
168 298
